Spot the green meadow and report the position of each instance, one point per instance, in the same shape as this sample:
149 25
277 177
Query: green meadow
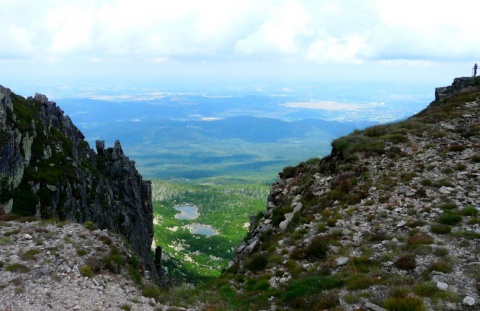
225 207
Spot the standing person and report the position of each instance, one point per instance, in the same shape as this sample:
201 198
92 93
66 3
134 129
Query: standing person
475 69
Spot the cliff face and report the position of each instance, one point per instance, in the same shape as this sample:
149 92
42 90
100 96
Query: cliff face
389 220
47 170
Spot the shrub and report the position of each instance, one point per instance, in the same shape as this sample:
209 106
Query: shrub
404 304
448 218
13 232
6 241
470 211
360 281
440 229
461 166
151 291
416 223
126 307
90 225
262 285
449 206
406 262
257 262
310 285
318 247
362 264
82 251
331 222
427 182
114 260
398 292
419 239
440 252
321 228
322 301
9 217
30 254
105 240
17 267
135 275
426 289
133 261
298 253
441 266
456 148
277 217
86 271
289 171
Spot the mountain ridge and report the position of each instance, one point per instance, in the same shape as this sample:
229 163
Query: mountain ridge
48 170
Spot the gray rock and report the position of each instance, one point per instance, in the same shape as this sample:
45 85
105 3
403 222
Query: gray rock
284 224
341 261
469 301
373 307
7 206
442 286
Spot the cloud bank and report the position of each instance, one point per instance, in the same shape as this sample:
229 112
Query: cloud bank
317 31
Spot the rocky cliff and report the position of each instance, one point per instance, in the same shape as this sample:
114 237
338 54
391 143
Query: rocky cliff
48 170
388 221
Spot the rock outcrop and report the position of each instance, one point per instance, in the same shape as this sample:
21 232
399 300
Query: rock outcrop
48 170
388 219
463 84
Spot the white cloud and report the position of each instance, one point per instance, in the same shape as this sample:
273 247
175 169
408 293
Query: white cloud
279 32
70 29
348 50
161 32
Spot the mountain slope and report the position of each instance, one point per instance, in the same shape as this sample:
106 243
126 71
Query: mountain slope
387 220
52 265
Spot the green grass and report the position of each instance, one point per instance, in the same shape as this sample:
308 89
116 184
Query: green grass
449 218
440 228
470 211
404 304
90 225
360 281
86 271
257 262
17 267
30 254
310 285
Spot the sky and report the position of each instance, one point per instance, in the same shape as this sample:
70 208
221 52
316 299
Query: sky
183 42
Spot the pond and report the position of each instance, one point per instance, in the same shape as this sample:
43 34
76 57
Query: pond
202 229
187 212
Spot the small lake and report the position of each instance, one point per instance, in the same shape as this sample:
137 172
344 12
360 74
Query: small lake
187 212
202 229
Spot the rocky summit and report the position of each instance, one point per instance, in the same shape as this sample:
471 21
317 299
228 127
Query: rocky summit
388 221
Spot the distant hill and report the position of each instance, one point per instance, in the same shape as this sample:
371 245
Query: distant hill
168 148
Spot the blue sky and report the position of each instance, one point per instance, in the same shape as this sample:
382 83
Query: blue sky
184 42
